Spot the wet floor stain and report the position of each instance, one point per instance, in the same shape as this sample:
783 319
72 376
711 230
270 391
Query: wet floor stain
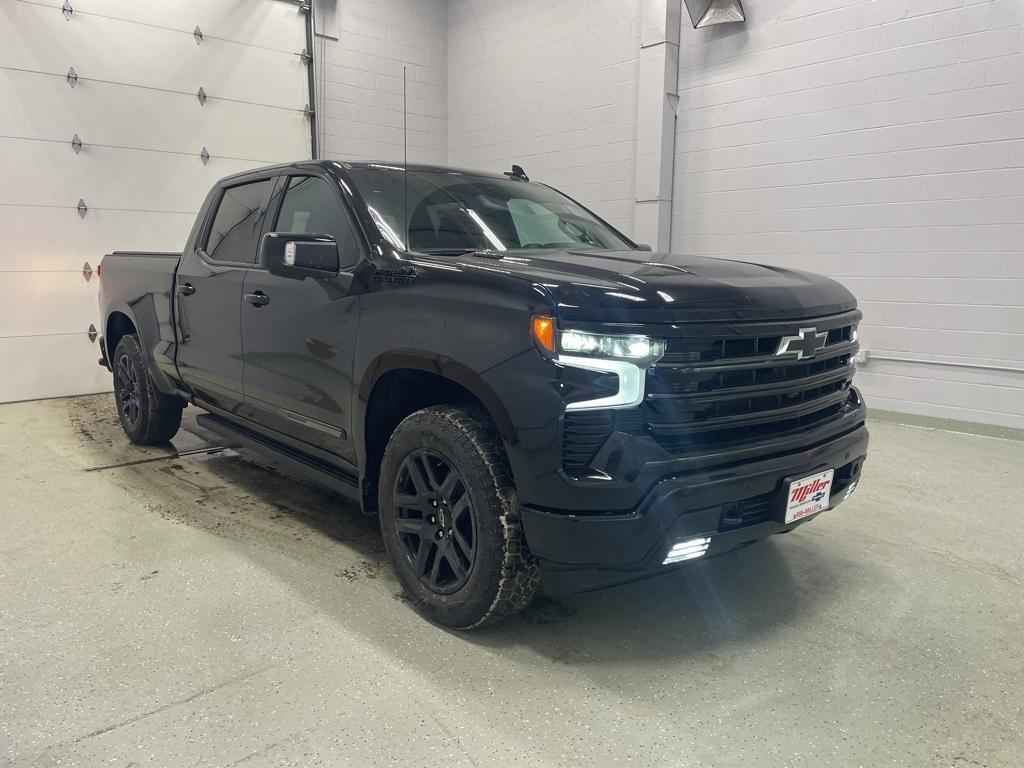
197 482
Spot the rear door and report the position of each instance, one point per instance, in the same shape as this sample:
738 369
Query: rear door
208 289
299 337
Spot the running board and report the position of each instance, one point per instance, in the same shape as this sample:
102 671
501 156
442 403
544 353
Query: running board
292 460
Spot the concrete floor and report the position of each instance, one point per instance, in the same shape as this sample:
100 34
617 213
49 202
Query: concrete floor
202 610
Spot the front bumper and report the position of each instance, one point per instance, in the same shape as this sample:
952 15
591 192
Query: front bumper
734 506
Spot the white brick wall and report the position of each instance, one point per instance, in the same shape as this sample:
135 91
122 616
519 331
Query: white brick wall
882 143
550 86
361 80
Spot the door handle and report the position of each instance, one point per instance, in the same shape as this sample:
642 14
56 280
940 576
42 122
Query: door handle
258 299
186 289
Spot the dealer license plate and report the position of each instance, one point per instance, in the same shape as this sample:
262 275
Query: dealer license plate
809 495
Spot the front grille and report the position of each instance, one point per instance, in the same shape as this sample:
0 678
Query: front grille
726 389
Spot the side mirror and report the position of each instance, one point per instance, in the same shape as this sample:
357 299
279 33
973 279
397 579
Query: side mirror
643 247
296 255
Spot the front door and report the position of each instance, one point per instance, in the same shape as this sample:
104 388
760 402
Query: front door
299 333
208 289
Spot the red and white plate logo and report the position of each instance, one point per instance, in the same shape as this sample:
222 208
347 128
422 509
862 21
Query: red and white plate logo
809 495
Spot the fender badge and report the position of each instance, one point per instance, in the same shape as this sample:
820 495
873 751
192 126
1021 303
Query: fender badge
403 275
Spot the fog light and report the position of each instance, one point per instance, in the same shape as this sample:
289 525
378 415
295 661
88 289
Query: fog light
687 550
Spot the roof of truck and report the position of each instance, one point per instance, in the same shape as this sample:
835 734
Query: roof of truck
423 168
348 164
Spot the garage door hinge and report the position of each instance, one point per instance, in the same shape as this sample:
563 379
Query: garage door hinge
201 95
82 208
204 156
76 144
93 333
67 10
197 33
307 112
304 7
87 272
72 77
304 57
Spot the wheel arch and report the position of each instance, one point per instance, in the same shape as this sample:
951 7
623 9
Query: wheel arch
400 383
121 320
118 325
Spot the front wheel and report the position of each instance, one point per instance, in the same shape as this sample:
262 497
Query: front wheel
449 515
147 415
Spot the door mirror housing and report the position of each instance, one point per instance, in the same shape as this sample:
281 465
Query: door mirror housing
289 254
643 247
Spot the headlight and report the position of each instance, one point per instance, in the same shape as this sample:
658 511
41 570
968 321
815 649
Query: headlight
642 349
620 347
627 357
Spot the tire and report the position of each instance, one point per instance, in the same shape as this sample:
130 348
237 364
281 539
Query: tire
447 499
147 416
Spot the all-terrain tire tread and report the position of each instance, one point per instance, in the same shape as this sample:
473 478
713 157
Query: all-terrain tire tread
161 417
520 575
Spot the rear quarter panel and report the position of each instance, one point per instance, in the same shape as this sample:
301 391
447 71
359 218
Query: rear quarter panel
141 286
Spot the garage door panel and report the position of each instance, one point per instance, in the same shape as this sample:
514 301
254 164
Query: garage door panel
139 168
46 303
108 178
275 24
44 107
50 366
95 46
287 87
56 239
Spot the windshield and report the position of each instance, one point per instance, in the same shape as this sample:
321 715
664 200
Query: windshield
455 212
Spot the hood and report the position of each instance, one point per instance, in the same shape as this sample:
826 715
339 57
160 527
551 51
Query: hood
639 286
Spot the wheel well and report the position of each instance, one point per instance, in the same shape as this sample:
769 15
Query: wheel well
398 394
119 325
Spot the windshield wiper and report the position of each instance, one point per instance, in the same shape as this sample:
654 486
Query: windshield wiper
445 251
459 252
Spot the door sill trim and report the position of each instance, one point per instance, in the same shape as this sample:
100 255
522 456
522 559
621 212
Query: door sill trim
324 473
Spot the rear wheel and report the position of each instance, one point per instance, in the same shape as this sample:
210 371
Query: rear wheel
147 415
449 515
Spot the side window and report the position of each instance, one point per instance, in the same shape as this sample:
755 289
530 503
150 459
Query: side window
310 207
235 231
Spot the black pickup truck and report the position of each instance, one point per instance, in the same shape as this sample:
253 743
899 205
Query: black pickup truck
523 395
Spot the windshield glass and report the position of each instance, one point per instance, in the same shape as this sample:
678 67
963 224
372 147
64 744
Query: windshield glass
449 211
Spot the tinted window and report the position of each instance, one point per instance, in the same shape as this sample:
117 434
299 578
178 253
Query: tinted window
310 207
236 226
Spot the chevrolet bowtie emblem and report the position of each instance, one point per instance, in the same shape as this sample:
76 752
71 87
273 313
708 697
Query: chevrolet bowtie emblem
806 344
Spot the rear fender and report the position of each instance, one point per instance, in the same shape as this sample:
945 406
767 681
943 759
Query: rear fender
147 325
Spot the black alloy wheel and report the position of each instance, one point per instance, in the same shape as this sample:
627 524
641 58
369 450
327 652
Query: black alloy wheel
451 519
127 386
147 415
435 522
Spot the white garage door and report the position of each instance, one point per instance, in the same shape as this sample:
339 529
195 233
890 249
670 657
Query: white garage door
140 169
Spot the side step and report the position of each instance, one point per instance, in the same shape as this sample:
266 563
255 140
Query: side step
292 460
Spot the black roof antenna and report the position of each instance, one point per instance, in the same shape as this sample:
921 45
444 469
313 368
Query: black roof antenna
517 172
405 159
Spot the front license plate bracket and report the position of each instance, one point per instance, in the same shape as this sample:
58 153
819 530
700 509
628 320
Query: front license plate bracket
807 495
